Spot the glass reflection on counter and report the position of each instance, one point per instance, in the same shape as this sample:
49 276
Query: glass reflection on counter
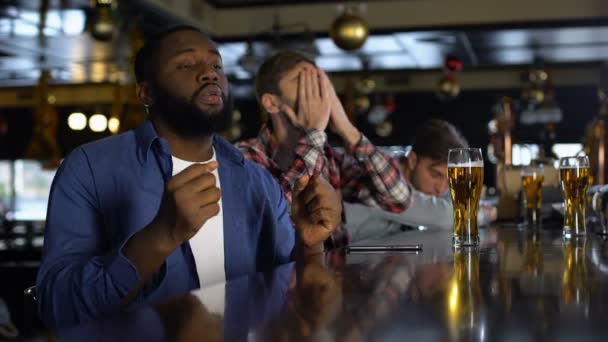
533 255
575 289
464 300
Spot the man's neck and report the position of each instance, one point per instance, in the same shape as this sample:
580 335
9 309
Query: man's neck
286 136
189 149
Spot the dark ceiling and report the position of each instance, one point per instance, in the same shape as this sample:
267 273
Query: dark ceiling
487 48
73 56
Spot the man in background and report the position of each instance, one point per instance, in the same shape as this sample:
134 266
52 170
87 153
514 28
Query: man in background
425 168
301 104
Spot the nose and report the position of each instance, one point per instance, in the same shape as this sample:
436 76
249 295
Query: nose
207 73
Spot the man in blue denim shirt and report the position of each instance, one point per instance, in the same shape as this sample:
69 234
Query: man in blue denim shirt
140 217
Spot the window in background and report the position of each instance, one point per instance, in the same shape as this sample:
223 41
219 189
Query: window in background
396 152
523 154
568 150
32 188
6 188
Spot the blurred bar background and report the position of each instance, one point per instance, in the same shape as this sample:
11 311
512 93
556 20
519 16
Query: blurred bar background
521 79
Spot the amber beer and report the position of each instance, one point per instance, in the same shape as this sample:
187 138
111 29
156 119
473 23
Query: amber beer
533 255
532 186
575 181
464 300
574 279
466 181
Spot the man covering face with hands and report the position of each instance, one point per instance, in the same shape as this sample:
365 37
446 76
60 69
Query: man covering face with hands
301 103
169 206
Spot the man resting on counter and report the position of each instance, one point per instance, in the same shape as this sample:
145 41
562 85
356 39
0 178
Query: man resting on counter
425 168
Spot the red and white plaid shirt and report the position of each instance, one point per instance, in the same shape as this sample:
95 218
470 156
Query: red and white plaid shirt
363 174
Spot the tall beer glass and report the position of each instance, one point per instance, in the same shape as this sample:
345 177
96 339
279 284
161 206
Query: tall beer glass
532 177
465 174
574 177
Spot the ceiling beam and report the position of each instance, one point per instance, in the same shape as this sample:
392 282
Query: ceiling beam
387 82
70 95
474 79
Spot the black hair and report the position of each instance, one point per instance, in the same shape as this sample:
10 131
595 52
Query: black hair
146 58
274 68
434 138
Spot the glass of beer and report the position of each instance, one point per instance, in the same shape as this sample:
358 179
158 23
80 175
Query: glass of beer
532 177
465 174
574 177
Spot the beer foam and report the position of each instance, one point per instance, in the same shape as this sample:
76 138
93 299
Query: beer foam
478 163
569 167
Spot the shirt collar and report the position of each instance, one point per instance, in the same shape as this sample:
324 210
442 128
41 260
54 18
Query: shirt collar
146 135
267 140
225 150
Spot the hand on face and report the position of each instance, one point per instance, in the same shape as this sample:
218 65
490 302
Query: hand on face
339 122
313 102
316 209
191 198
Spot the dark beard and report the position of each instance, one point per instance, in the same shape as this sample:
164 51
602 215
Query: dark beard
185 118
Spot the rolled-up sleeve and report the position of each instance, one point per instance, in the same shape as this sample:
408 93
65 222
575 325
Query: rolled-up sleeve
371 177
80 276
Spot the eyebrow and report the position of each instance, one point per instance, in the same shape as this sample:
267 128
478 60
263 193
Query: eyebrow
189 50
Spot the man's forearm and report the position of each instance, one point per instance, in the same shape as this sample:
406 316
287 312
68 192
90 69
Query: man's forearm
351 136
147 251
379 174
426 210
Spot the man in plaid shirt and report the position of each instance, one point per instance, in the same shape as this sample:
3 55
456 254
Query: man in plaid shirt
301 102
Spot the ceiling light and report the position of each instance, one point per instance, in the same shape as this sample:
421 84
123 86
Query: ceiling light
114 125
77 121
98 123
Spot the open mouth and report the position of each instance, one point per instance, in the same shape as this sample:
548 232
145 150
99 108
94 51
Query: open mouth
210 94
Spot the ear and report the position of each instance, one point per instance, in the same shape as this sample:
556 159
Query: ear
412 160
271 103
144 93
